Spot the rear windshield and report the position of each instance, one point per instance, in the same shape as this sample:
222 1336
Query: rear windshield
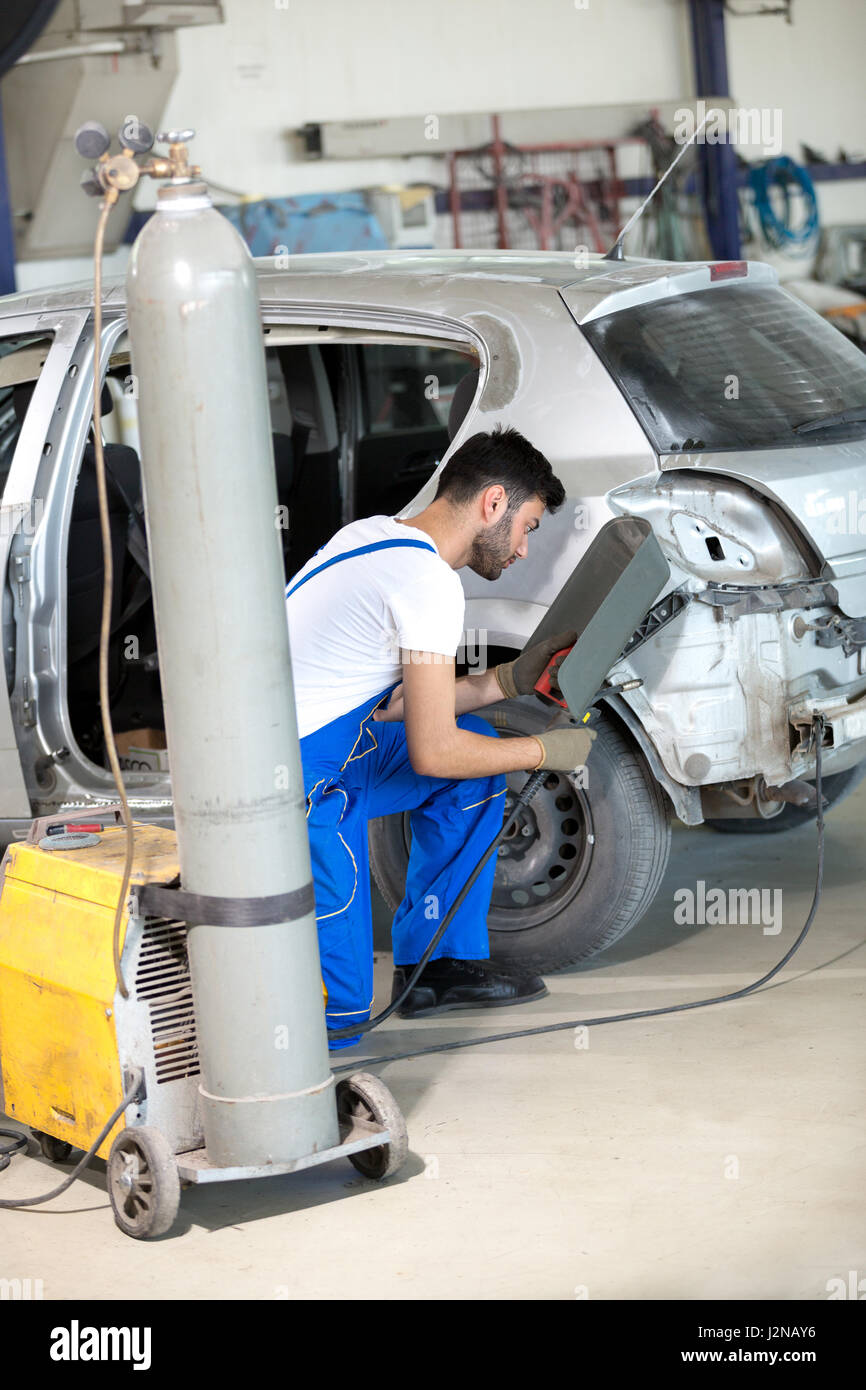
732 368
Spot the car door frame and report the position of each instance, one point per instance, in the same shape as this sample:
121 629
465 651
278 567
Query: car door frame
349 327
39 452
39 699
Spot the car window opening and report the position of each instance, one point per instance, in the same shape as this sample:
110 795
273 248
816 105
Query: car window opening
390 409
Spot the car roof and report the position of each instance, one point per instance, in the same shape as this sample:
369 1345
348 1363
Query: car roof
541 267
555 270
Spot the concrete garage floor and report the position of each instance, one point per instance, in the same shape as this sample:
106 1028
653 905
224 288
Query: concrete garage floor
715 1154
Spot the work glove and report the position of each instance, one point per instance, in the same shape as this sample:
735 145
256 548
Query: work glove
518 677
564 749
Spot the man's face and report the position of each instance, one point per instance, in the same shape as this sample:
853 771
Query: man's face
499 543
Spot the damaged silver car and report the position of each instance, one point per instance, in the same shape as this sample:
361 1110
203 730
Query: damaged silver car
702 397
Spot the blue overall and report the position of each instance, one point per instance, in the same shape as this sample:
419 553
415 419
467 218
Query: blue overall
354 769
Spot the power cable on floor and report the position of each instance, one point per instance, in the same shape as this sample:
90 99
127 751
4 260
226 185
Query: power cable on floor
366 1062
129 1096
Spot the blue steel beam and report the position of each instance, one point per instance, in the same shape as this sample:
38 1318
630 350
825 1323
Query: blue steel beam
481 200
717 163
7 240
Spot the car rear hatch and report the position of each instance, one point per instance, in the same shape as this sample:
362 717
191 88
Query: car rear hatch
729 374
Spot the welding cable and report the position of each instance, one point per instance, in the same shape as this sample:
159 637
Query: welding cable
107 590
527 792
19 1141
817 733
529 789
129 1097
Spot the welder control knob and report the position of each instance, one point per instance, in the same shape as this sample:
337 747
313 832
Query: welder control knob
135 135
175 137
91 185
92 140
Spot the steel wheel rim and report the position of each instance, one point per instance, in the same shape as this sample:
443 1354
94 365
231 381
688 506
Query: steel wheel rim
354 1102
132 1186
537 882
531 893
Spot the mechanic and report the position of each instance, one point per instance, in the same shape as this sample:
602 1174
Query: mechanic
375 621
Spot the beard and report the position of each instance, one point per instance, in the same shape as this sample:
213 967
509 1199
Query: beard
491 549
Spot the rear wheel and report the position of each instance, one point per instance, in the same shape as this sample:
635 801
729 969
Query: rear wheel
581 864
143 1183
364 1097
835 787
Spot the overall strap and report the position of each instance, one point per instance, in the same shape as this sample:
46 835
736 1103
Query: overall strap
349 554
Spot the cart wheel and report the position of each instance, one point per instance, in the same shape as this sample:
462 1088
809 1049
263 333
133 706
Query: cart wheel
369 1098
143 1182
56 1149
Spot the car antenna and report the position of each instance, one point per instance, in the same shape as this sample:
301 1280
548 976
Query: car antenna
616 252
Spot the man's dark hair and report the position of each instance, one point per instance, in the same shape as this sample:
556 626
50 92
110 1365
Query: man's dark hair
505 457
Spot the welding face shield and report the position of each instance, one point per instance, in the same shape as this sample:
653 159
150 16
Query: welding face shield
604 600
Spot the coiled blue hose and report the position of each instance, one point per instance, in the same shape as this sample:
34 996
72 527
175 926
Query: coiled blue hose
779 233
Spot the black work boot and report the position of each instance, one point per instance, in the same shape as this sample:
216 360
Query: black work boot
447 984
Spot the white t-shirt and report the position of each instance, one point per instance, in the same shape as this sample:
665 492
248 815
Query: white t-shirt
349 623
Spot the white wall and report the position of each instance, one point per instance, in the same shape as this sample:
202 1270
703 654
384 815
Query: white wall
276 64
812 71
270 69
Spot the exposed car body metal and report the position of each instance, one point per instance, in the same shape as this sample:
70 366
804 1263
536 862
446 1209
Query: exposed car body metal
812 497
720 691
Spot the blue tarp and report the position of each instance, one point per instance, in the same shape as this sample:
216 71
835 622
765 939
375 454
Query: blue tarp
308 222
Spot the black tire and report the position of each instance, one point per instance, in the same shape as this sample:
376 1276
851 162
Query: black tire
56 1149
835 787
365 1096
143 1183
582 864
